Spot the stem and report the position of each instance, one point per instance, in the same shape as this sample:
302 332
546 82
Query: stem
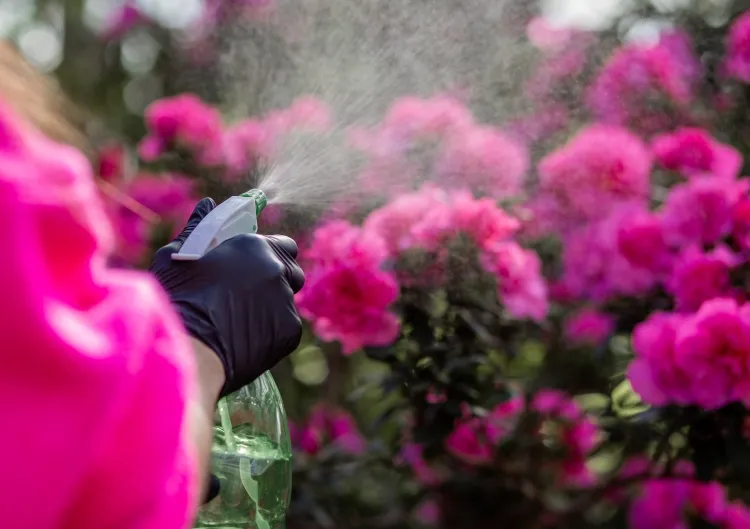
336 372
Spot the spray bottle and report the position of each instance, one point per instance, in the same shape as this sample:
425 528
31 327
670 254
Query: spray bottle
252 451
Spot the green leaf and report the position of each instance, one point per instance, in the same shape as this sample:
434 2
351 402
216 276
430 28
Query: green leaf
626 402
593 402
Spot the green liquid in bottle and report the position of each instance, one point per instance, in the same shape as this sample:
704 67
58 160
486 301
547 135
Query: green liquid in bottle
253 463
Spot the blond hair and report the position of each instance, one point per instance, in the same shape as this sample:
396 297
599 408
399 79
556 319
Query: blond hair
38 99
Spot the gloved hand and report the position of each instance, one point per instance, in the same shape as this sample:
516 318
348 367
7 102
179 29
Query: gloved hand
238 299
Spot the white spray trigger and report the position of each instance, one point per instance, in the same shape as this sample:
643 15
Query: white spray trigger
234 216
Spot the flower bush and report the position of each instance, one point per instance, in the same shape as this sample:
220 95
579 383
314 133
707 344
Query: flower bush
539 321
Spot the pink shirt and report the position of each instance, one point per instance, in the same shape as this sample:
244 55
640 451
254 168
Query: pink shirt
94 368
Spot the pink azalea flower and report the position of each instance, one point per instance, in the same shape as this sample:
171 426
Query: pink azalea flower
693 152
441 125
520 284
347 293
306 113
111 163
427 218
737 516
548 401
741 223
170 197
411 455
641 240
666 503
414 220
700 210
600 168
702 359
183 121
428 512
698 277
326 426
252 140
502 419
668 69
410 117
244 144
468 442
483 159
310 440
661 505
345 434
737 60
482 220
594 268
589 327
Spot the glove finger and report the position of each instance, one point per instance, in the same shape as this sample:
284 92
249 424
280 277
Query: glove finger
286 249
202 208
295 276
163 255
285 243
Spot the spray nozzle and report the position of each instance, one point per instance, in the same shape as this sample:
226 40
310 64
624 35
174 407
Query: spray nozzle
259 197
235 216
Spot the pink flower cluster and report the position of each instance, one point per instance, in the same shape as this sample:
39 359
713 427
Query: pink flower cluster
594 195
666 503
594 266
599 168
737 60
327 426
411 455
521 286
427 218
699 276
667 70
348 293
254 139
141 205
698 359
430 217
474 439
633 251
694 152
185 122
438 140
171 197
589 327
700 211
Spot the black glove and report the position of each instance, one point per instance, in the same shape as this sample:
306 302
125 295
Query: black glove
238 299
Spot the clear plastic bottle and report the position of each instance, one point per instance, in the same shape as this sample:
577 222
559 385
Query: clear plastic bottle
252 457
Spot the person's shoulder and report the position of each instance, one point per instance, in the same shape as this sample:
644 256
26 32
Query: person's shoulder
138 305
